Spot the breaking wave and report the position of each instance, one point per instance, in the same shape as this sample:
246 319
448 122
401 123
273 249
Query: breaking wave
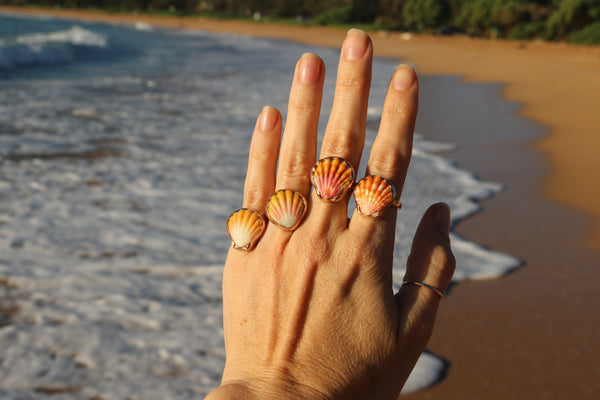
59 47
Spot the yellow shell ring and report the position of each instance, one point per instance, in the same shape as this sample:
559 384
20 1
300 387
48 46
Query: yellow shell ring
286 209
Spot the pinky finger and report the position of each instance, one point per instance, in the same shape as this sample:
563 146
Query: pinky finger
262 160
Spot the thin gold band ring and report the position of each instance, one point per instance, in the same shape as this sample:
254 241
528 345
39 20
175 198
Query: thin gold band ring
437 291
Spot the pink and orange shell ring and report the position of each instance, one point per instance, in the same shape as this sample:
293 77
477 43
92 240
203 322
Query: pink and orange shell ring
373 194
332 177
286 208
245 228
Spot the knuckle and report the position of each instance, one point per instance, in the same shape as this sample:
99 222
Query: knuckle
316 246
395 109
388 166
253 198
296 165
300 104
259 154
441 258
443 262
349 80
338 143
450 261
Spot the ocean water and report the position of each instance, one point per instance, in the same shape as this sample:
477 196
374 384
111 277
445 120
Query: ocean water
122 152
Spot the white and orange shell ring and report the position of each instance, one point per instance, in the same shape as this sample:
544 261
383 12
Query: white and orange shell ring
245 228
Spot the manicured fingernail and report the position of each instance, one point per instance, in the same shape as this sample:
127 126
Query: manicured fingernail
441 217
268 119
310 68
355 45
404 78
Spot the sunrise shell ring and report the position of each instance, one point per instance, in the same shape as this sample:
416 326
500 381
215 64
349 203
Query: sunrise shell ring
245 228
331 178
373 194
286 209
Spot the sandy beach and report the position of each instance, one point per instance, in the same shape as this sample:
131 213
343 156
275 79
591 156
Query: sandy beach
532 334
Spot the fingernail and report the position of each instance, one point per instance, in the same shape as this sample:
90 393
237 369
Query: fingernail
404 78
441 217
355 45
310 68
268 119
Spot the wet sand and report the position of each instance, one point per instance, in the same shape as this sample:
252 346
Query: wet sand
532 334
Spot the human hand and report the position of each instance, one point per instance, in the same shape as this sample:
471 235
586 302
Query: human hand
311 313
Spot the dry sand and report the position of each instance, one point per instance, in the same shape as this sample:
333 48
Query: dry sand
533 334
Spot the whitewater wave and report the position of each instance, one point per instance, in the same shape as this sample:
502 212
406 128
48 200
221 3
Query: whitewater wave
73 44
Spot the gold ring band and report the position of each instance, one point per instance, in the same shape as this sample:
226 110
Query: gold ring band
437 291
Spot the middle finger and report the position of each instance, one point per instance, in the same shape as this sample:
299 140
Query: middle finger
345 133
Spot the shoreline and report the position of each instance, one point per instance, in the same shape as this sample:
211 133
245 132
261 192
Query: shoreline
557 84
529 334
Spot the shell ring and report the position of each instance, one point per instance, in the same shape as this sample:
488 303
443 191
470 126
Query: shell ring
332 178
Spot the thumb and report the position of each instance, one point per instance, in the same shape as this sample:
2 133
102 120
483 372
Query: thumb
429 269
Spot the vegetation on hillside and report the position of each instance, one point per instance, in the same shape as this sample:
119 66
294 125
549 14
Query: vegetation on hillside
573 20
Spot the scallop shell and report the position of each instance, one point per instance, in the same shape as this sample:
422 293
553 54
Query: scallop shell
245 227
286 208
373 194
332 177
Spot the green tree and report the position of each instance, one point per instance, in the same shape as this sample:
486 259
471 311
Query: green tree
426 14
480 15
346 11
588 35
390 13
571 15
